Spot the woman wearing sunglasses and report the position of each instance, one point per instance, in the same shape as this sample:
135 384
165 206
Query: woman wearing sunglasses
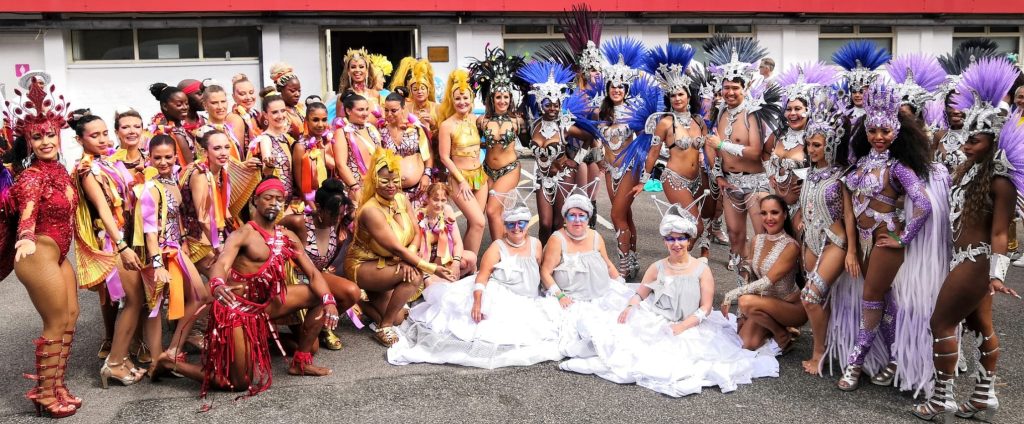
494 319
667 338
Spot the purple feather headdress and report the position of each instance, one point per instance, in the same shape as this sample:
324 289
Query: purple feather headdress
1011 151
881 108
582 30
917 76
981 88
798 81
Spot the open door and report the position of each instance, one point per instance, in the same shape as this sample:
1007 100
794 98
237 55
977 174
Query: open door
395 43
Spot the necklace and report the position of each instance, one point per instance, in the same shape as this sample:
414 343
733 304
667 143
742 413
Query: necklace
792 139
548 129
568 234
514 245
732 115
776 237
167 181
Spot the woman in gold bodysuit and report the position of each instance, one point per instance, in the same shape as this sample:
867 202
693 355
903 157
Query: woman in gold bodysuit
459 151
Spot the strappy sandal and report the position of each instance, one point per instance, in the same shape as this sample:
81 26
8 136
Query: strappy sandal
386 336
329 340
851 378
885 376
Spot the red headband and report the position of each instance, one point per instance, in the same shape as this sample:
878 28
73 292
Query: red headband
270 184
192 88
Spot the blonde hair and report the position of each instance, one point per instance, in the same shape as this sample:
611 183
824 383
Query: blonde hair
458 80
403 72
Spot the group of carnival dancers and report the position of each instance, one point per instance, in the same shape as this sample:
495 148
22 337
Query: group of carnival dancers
233 220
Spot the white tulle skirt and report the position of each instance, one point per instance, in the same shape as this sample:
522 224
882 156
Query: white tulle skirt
644 351
515 331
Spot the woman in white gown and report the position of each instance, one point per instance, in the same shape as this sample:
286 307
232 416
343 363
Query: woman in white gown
667 339
493 319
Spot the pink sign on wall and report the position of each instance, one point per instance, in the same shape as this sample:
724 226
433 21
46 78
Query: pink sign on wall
21 69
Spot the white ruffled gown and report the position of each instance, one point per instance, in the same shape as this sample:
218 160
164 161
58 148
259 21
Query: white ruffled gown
519 327
644 350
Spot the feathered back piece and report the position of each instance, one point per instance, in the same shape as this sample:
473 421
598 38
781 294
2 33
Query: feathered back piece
381 63
582 30
982 86
668 65
956 63
494 73
423 73
860 59
548 82
828 115
625 56
798 81
765 103
881 108
917 76
1011 151
735 57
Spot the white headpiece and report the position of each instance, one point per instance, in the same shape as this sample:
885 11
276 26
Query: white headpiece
514 204
676 218
579 197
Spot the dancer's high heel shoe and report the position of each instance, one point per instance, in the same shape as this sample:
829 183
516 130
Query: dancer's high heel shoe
54 405
985 395
62 390
941 406
885 376
106 373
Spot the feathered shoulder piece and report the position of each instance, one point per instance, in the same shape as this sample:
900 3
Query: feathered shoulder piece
625 56
982 86
917 76
860 59
1009 158
735 57
956 63
668 65
494 73
800 80
765 103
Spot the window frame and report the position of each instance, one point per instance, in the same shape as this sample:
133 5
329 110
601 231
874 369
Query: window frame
987 33
857 34
135 49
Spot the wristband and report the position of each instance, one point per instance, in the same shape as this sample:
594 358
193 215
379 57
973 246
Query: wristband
479 287
731 148
426 267
158 261
122 249
997 266
644 177
428 172
559 295
554 290
216 282
328 299
700 315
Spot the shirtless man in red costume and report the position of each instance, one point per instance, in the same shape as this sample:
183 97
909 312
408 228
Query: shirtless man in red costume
248 284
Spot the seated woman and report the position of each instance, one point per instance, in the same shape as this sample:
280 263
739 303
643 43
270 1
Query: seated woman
667 339
771 302
382 259
440 239
495 319
322 232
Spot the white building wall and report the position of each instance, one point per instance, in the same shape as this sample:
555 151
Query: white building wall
935 40
789 44
17 49
301 47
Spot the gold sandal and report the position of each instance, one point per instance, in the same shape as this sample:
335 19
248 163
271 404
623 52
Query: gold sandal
329 340
386 336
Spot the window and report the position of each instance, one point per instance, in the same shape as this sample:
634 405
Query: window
527 40
155 44
1008 38
695 35
832 37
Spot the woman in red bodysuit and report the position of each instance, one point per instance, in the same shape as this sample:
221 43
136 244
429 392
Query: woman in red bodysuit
44 199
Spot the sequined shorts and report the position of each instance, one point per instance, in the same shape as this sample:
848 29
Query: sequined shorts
679 182
970 252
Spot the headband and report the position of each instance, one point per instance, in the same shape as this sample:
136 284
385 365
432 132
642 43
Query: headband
193 88
270 184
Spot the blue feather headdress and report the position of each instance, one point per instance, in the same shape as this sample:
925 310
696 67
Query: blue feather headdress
860 59
982 86
647 100
669 65
548 82
625 56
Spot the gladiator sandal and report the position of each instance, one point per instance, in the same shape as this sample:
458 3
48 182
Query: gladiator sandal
592 222
62 366
634 265
57 408
984 393
851 378
941 406
624 264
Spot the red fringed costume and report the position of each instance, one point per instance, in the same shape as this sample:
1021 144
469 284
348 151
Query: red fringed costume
261 287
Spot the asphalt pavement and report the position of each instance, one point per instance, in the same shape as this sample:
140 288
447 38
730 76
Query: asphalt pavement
365 388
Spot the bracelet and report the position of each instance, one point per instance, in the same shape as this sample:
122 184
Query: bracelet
328 299
158 261
644 177
559 295
479 287
629 305
553 290
122 249
700 315
457 258
353 185
428 172
997 267
426 267
216 282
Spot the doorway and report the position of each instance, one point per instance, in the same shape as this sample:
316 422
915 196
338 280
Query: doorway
395 43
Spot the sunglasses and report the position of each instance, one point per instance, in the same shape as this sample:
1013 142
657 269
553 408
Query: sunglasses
577 217
670 239
516 224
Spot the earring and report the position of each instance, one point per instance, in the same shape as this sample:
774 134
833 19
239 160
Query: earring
28 160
